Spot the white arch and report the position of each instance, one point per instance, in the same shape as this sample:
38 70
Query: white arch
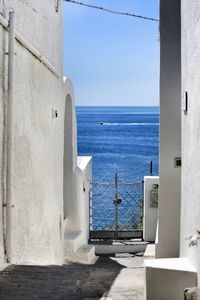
70 160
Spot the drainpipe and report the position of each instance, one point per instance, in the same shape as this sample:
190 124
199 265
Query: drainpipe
9 184
26 44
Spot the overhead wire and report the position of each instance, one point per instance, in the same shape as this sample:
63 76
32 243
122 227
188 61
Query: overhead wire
112 11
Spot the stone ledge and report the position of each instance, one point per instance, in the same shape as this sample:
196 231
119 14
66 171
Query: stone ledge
120 247
167 278
176 264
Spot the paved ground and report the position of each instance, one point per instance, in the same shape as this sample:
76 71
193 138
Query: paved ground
110 278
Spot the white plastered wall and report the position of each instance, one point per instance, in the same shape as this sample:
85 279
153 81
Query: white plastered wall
170 129
34 234
84 181
77 174
190 215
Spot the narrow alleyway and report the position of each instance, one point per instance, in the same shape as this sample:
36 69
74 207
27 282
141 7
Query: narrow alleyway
110 278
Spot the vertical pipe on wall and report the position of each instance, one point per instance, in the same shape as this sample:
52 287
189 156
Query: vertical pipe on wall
9 185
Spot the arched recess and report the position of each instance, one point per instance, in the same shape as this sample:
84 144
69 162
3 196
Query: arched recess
70 162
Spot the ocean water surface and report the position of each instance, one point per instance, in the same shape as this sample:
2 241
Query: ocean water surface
121 140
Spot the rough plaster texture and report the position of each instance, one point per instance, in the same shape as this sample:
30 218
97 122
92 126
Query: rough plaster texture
41 24
34 228
150 213
190 215
170 129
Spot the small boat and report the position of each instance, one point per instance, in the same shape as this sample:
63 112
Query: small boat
101 123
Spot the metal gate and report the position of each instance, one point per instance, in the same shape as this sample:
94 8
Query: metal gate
116 209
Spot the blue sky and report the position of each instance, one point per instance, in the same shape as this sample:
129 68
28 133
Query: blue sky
112 60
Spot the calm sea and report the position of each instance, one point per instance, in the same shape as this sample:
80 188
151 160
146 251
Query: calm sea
121 140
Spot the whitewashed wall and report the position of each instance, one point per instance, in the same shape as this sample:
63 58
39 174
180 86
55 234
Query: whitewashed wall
170 129
150 212
190 216
84 180
34 232
76 233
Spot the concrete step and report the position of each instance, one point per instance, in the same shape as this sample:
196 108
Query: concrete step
120 247
84 255
72 240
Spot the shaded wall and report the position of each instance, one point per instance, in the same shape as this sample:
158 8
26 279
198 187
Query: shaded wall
170 129
70 162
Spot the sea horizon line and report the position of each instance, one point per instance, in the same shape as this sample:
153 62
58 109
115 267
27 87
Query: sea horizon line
137 106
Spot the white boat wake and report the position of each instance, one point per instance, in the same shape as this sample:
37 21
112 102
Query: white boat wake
129 124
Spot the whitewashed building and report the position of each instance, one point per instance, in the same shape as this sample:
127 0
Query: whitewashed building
177 246
39 197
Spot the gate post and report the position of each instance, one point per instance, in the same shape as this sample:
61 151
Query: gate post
116 206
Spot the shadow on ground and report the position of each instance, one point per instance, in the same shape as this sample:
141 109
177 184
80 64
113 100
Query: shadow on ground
109 278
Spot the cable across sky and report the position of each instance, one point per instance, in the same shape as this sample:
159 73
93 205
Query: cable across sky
112 11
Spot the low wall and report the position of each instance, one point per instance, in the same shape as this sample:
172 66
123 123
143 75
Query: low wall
76 248
150 208
84 178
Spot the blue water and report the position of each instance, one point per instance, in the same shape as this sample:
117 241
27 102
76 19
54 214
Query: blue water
121 140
